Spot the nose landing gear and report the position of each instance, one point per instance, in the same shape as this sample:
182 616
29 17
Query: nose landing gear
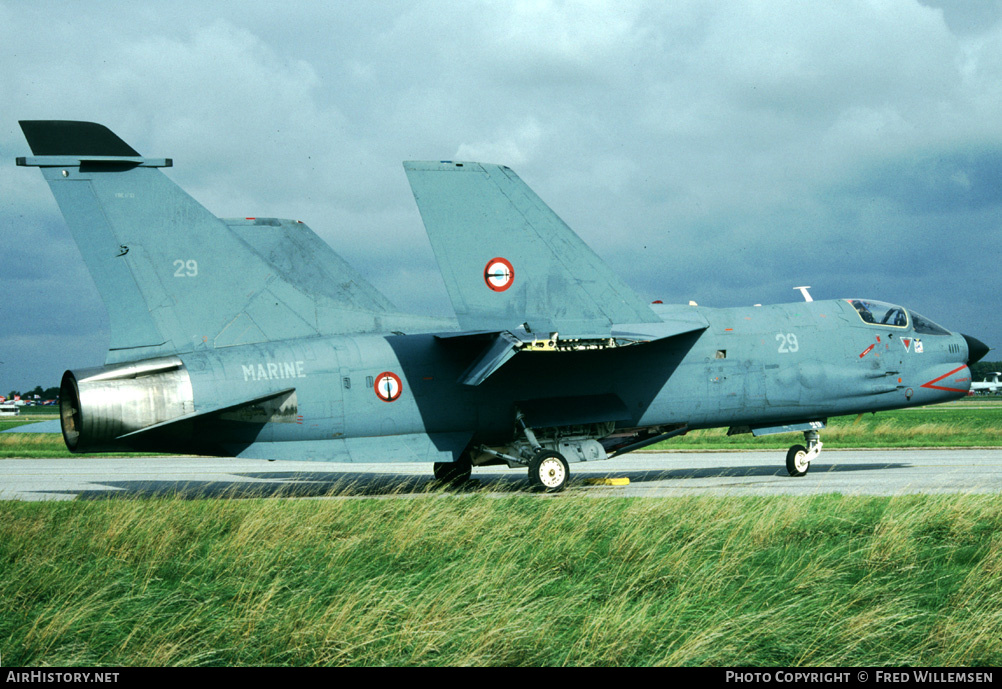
798 457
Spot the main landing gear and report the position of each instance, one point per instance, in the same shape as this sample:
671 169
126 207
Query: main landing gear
798 457
548 471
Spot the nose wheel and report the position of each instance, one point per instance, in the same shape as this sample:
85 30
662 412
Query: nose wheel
797 463
798 457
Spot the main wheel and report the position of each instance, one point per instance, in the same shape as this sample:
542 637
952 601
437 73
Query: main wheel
796 460
453 473
548 471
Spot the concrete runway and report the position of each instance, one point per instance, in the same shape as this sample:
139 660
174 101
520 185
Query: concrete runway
850 472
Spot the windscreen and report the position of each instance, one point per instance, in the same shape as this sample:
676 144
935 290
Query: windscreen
926 327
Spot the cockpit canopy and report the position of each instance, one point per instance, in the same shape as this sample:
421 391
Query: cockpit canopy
888 315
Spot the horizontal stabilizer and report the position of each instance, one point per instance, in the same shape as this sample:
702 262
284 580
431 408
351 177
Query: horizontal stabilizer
216 409
507 259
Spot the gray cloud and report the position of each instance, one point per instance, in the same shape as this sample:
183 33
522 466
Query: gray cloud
722 152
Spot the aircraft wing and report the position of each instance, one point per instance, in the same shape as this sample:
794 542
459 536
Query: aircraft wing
508 260
499 347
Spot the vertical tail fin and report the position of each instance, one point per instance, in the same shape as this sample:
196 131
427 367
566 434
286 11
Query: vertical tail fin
172 275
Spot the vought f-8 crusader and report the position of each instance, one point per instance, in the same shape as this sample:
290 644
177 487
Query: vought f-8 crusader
251 337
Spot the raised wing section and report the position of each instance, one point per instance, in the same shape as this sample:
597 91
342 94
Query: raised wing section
172 275
508 260
499 347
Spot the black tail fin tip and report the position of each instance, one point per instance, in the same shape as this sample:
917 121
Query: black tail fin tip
65 137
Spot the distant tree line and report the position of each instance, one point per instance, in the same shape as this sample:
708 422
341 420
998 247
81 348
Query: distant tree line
983 368
46 394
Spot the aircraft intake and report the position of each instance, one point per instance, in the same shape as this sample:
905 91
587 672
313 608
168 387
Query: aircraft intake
99 405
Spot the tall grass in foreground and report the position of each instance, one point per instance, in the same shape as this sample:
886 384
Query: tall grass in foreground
523 580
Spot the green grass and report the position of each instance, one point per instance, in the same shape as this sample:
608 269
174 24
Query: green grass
32 445
38 412
977 423
13 422
42 445
523 580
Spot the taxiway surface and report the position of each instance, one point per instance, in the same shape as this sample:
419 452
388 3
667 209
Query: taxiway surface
850 472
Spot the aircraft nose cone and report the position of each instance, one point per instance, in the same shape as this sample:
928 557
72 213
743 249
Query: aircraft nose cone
976 349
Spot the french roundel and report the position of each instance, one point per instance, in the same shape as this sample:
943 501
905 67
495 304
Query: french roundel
499 274
388 386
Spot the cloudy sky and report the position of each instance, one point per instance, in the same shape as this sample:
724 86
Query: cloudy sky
723 152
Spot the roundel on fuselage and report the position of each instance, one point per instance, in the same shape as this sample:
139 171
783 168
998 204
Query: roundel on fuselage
388 386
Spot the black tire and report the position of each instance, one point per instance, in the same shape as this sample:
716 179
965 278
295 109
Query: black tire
453 473
548 471
796 462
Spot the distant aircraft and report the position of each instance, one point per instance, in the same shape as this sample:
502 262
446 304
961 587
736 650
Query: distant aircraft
250 337
991 385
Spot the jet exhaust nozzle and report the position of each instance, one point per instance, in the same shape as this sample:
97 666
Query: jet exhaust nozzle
96 406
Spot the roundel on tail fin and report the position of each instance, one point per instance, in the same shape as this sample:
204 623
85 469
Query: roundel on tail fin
499 274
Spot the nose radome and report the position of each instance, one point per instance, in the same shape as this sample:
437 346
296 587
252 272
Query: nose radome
976 349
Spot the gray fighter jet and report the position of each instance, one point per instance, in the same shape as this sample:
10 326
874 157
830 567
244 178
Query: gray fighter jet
250 337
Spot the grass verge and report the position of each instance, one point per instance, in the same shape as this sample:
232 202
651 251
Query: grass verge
954 425
522 580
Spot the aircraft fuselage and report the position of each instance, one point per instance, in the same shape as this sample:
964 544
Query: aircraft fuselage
753 366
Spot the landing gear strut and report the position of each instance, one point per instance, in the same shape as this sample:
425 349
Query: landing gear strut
798 457
548 470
